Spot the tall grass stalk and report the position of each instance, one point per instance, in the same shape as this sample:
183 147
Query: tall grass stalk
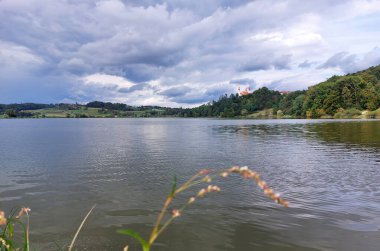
79 228
204 176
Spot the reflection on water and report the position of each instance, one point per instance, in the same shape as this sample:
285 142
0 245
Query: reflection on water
328 170
355 133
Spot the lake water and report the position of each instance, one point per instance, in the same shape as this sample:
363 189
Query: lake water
328 170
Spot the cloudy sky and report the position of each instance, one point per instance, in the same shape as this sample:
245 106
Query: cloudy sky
178 53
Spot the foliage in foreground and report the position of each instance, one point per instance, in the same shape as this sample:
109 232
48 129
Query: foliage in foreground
204 176
8 237
8 241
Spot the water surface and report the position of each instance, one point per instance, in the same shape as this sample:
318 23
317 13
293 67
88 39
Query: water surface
328 170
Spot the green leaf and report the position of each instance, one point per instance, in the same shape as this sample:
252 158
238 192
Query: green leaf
10 230
26 243
174 186
135 235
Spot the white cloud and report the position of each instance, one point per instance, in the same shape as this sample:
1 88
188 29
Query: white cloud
293 38
16 57
104 80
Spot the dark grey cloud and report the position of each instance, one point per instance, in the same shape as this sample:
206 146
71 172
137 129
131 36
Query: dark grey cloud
175 92
137 87
204 8
196 95
217 91
369 59
268 62
342 59
187 95
305 64
351 62
191 99
29 88
162 44
284 85
243 83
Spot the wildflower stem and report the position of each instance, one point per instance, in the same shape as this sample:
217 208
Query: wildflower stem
155 231
9 221
167 223
187 184
159 219
183 188
80 227
27 231
245 172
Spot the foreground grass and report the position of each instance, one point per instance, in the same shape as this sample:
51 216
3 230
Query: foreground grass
8 240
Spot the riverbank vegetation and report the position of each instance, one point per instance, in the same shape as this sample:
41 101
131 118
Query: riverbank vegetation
354 95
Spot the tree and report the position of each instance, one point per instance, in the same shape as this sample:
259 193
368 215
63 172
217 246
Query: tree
11 113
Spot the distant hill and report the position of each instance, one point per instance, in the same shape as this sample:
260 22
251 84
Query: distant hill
235 105
355 95
339 96
360 91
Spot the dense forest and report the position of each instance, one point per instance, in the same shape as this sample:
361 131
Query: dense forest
339 96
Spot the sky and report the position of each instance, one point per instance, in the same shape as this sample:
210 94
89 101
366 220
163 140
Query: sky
178 53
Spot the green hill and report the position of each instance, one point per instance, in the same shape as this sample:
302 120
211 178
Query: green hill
358 91
349 96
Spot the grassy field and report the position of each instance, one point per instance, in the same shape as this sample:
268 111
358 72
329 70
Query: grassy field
267 113
88 112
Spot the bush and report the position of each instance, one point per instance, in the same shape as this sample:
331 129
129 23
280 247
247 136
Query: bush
373 114
347 114
11 113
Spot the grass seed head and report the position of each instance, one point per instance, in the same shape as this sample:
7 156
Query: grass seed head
204 172
243 168
202 192
176 213
24 210
234 169
4 244
3 219
207 179
191 200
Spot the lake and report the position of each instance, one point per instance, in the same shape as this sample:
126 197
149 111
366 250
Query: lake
329 171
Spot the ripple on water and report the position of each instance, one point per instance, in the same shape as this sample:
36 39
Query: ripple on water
60 168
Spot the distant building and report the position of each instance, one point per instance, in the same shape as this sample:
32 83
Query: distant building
284 92
245 92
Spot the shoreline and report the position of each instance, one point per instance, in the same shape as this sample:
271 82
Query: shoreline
218 118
